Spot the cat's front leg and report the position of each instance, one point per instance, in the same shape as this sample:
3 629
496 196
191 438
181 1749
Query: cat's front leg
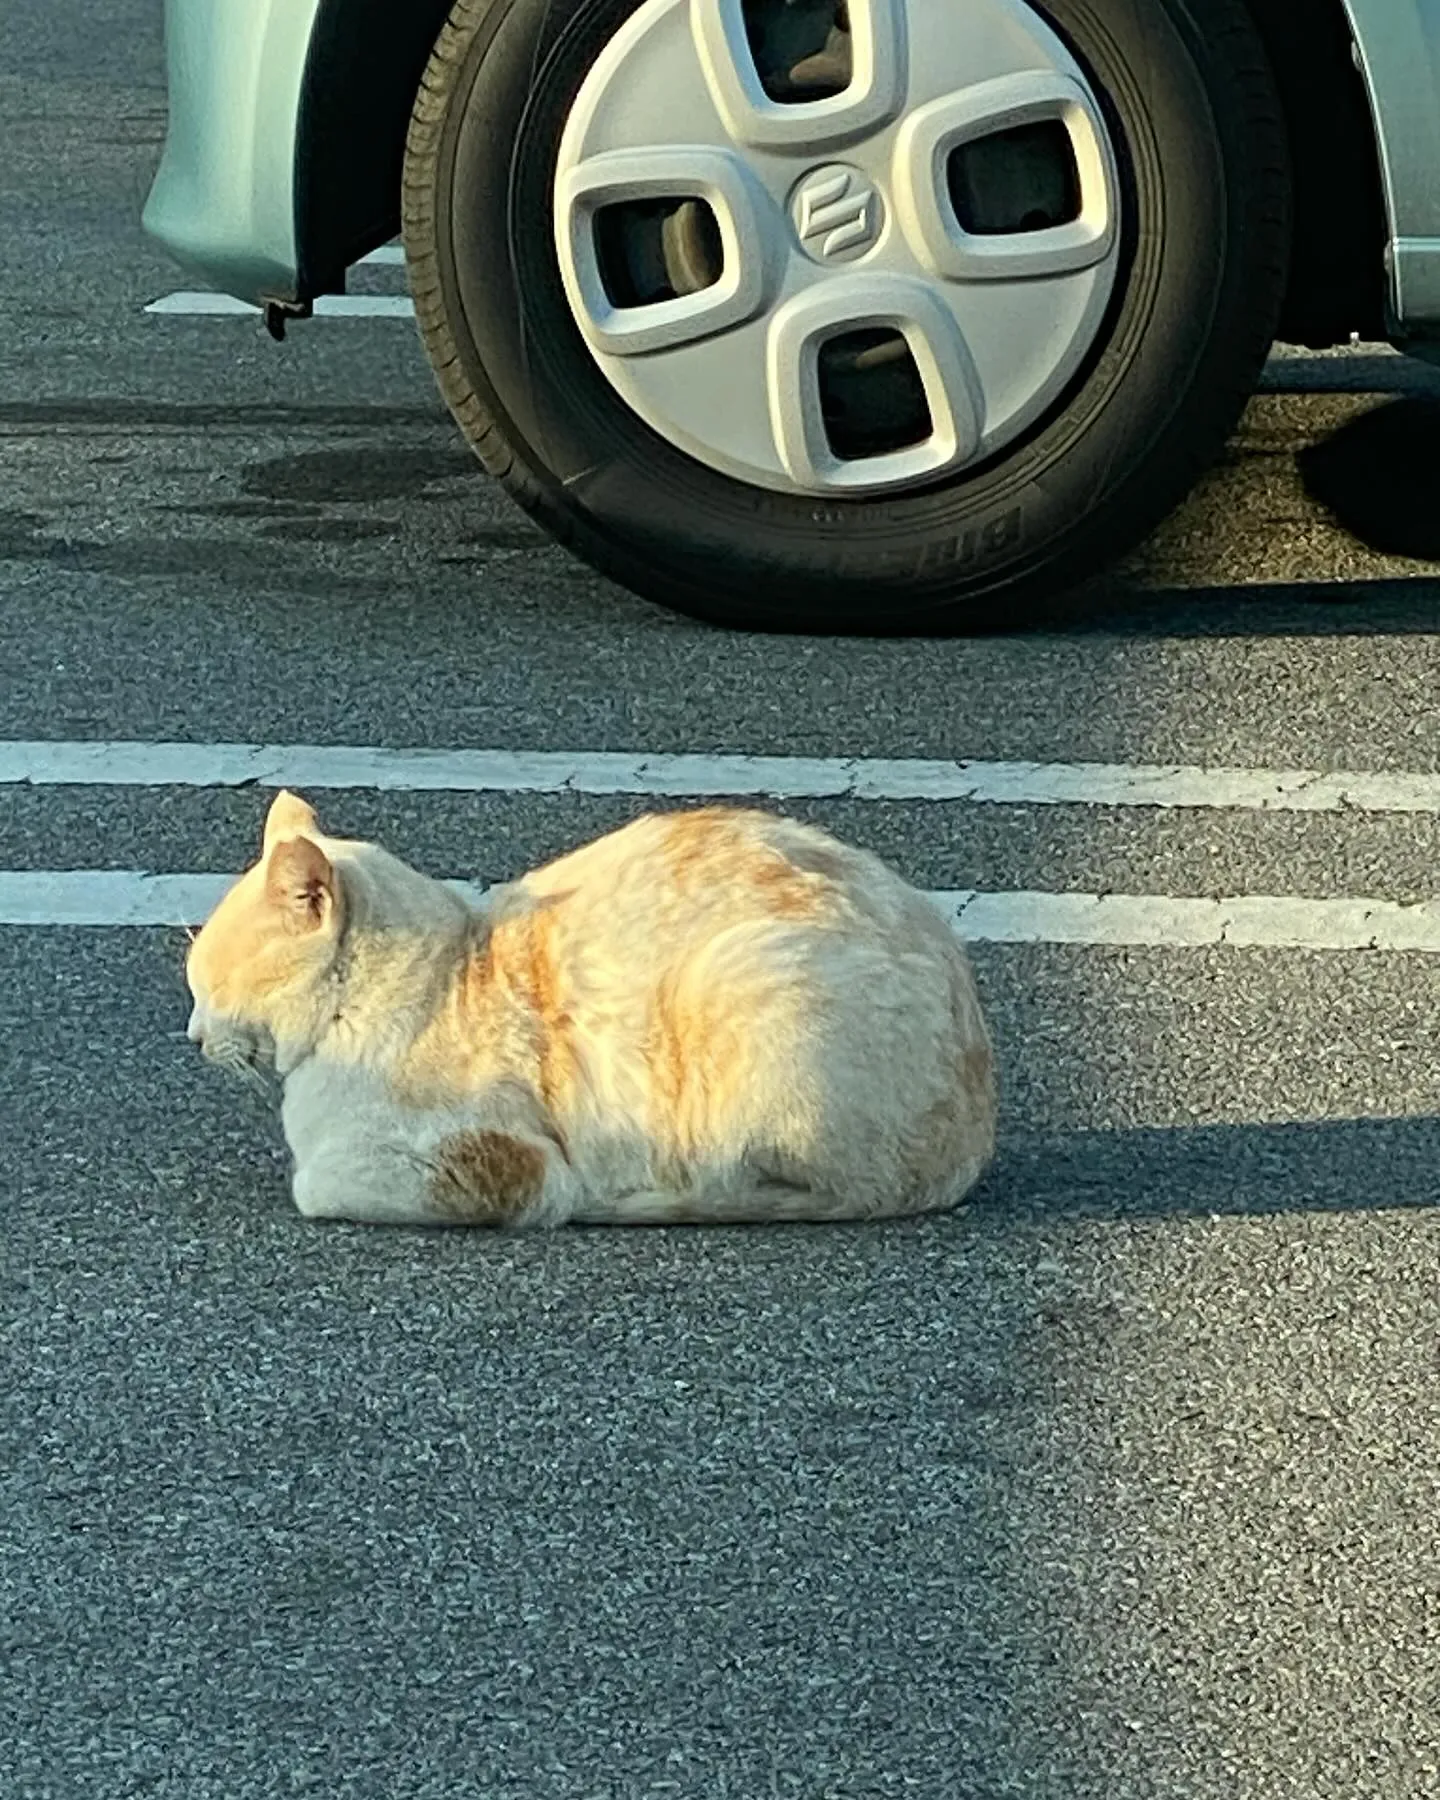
470 1177
351 1157
360 1156
365 1184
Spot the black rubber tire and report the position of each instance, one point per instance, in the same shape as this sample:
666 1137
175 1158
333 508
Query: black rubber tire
1192 108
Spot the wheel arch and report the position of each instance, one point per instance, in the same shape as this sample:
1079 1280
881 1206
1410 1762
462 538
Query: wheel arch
1337 282
362 72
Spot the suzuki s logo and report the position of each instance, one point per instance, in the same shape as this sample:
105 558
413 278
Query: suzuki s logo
838 214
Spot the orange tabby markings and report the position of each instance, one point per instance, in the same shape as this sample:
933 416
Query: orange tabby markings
485 1177
524 950
709 847
692 841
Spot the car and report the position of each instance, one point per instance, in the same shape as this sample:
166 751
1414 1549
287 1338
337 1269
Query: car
828 315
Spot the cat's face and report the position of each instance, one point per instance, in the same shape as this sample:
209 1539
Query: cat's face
258 968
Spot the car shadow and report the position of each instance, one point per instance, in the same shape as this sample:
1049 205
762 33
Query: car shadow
1319 506
1395 607
1379 477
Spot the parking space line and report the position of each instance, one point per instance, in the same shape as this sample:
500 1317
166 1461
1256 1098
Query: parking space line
132 897
125 763
71 897
1172 921
199 305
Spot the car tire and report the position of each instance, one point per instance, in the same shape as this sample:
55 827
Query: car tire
1200 259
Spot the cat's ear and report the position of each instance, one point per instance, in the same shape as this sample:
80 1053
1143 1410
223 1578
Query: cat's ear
300 882
289 816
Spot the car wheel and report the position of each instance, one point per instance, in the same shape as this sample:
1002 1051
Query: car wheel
847 315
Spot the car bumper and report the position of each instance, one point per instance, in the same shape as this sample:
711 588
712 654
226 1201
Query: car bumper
223 200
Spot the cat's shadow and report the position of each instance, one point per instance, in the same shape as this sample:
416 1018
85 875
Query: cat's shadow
1333 1165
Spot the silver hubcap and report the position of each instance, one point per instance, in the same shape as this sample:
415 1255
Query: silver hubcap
850 293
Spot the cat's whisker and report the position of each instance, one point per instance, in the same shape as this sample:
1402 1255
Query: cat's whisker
248 1075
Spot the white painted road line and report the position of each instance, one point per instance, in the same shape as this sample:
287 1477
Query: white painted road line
203 305
387 253
106 897
328 306
123 897
1169 921
123 763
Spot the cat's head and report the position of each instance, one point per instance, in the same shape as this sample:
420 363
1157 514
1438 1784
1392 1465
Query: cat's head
260 972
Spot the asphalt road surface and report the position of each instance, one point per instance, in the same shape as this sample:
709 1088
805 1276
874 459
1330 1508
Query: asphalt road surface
1120 1484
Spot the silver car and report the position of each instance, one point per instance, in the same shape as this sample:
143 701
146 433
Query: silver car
860 315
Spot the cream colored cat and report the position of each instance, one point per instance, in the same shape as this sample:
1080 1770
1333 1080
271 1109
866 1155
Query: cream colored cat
713 1015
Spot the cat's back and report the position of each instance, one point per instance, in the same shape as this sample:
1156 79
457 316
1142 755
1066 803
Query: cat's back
677 874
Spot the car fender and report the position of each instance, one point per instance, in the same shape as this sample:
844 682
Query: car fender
286 137
222 200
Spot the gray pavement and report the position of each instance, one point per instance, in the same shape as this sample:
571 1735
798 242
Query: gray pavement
1121 1484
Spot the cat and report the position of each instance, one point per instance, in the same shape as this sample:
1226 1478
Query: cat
706 1016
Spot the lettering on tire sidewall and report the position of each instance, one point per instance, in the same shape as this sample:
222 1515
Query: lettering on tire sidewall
986 541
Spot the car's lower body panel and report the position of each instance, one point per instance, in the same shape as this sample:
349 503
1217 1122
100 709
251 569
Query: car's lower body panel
224 200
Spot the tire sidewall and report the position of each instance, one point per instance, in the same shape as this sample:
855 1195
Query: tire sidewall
1188 326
